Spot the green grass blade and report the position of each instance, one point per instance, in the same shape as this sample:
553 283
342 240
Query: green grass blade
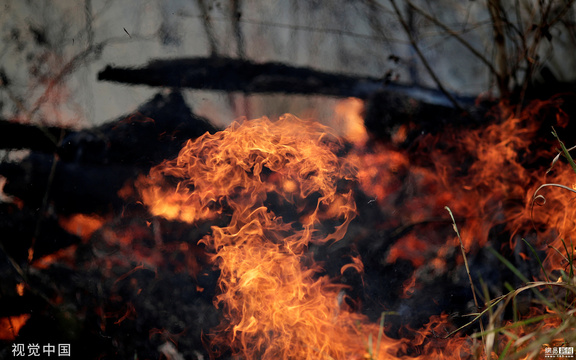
370 346
521 276
537 258
478 316
570 256
514 325
505 351
509 265
565 151
380 333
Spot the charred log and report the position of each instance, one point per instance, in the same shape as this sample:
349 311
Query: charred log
75 187
154 132
227 74
93 164
386 111
21 136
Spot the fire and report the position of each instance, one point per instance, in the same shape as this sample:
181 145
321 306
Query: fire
489 177
20 288
63 256
279 183
280 187
482 174
10 326
82 225
349 115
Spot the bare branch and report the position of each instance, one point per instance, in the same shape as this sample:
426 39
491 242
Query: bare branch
422 57
307 28
206 20
503 74
454 34
236 15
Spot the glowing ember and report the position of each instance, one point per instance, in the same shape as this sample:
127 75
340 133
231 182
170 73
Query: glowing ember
62 256
10 326
81 225
20 288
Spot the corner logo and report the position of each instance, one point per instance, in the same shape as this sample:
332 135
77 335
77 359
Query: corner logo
566 352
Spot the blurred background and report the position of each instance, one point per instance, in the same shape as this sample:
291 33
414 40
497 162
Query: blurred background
51 52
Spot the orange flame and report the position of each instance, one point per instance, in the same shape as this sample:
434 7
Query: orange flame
349 115
276 306
64 256
482 175
10 326
282 188
20 288
82 225
488 177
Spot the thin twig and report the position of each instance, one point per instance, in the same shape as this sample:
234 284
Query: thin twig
464 256
306 28
208 28
465 264
502 75
543 28
25 277
70 67
423 58
561 13
236 15
455 35
375 23
45 201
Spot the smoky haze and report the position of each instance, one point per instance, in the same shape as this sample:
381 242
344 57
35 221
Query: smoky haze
51 52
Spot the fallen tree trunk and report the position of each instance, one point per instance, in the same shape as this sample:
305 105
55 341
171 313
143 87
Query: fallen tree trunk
22 136
94 163
227 74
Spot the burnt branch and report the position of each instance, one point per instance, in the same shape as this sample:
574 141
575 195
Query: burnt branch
431 72
21 136
236 75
